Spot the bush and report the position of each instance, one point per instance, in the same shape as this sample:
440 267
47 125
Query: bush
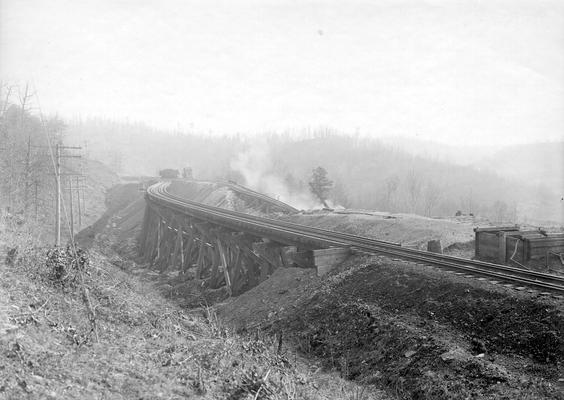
64 265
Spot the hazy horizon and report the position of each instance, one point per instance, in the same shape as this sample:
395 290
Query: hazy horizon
454 72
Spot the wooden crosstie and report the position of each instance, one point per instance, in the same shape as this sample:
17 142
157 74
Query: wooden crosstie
219 256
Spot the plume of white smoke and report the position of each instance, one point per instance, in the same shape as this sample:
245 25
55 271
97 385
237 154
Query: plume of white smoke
255 164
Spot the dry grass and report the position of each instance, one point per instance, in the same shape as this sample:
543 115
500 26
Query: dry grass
147 347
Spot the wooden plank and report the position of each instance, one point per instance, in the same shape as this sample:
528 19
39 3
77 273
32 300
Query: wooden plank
501 247
200 261
326 259
546 241
497 229
487 245
181 250
215 276
224 265
331 251
237 274
144 229
151 238
159 238
187 251
166 252
177 247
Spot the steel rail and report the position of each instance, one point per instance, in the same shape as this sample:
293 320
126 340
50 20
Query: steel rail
362 242
324 235
245 190
291 225
292 231
233 219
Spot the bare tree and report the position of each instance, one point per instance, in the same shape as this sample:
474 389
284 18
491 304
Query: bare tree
431 196
466 202
392 184
414 184
499 211
340 195
24 98
25 164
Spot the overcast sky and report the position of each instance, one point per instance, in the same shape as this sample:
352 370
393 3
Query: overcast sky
459 71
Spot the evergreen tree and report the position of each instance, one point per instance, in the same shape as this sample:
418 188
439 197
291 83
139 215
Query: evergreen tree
320 185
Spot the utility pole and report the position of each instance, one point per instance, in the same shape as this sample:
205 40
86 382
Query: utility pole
36 201
78 202
58 195
58 157
71 223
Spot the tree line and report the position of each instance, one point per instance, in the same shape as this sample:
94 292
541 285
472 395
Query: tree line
365 173
26 165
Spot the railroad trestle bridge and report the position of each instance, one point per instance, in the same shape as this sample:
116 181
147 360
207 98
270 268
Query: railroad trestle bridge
222 247
236 250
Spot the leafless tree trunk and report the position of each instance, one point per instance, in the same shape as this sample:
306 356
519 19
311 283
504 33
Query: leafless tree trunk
413 181
24 103
392 184
432 195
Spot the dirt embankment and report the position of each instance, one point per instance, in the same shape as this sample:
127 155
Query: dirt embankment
413 331
118 198
408 229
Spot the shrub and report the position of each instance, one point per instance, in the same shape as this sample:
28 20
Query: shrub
64 265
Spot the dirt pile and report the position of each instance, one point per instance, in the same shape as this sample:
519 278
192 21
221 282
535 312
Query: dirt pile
413 331
503 322
265 303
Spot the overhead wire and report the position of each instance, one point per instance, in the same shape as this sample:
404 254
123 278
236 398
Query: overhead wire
54 164
85 292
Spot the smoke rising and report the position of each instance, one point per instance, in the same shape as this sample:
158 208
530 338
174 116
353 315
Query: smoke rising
256 166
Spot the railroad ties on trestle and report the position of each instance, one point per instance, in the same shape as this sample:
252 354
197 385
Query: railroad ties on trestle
219 256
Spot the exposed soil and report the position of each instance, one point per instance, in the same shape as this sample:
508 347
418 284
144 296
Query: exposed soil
408 229
118 198
413 330
501 322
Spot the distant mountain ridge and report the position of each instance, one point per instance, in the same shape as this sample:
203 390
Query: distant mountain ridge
505 184
535 163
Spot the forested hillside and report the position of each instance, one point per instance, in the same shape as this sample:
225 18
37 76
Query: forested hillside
27 170
367 173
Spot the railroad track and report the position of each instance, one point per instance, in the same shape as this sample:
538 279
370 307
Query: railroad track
249 192
501 273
